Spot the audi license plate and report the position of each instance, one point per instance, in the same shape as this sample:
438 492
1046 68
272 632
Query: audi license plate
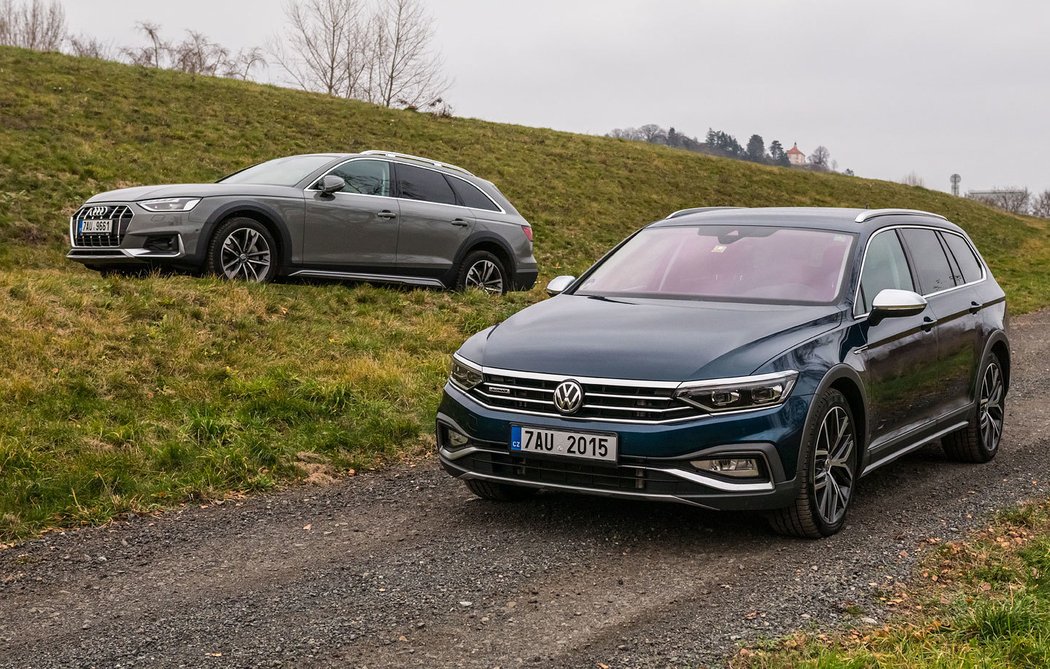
95 227
582 445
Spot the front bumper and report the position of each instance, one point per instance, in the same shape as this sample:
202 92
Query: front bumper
138 237
653 462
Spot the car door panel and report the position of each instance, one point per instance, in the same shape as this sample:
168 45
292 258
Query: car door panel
433 227
348 230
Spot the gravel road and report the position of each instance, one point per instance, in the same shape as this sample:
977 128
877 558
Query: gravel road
404 568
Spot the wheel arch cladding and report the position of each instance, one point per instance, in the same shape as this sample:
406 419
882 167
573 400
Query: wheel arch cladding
1000 348
493 245
261 215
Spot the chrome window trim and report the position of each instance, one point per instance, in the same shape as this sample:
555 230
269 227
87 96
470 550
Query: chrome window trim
864 260
499 209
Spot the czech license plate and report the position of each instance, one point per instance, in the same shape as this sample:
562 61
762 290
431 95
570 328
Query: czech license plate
96 227
581 445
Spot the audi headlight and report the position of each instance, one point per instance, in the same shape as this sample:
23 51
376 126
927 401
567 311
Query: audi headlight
748 392
465 374
170 204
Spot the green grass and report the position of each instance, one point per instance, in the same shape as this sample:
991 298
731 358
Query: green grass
988 608
134 394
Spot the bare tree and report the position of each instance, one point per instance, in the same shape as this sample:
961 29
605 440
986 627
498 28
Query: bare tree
1010 200
197 54
1041 205
318 37
241 65
820 158
653 134
155 54
913 179
85 46
33 25
406 72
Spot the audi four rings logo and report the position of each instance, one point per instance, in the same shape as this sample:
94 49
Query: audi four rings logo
97 212
568 397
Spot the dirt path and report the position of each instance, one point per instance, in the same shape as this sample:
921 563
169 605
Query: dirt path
405 568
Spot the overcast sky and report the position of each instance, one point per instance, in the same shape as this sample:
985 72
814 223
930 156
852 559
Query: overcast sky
889 86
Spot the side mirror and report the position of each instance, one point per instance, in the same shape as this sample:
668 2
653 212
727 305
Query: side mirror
330 184
891 303
558 285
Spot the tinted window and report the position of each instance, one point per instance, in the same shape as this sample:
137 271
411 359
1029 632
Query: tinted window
741 263
885 266
964 255
416 183
471 196
931 265
366 177
280 172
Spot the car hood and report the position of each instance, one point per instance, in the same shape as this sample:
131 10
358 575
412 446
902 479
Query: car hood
661 340
140 193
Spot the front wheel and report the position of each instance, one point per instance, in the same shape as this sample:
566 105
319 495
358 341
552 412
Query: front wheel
828 472
243 249
979 440
483 271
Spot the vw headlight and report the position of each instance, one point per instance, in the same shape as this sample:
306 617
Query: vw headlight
465 374
170 204
748 392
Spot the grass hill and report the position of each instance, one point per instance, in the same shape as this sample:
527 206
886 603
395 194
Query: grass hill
131 394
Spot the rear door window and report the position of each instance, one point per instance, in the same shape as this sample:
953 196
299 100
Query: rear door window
931 265
885 266
969 265
416 183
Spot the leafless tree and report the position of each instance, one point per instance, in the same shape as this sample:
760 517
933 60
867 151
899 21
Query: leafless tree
318 38
241 65
1010 200
407 71
653 134
913 179
197 54
85 46
156 53
33 24
1041 205
820 158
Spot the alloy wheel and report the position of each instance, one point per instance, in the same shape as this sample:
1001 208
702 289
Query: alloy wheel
245 255
992 407
833 477
486 276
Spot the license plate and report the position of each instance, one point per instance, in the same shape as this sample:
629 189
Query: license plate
95 227
582 445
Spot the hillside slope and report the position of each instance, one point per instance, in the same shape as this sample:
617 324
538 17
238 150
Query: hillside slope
126 394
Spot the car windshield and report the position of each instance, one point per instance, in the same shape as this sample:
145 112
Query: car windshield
741 263
279 172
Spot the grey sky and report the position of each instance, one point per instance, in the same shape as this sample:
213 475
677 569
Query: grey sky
889 86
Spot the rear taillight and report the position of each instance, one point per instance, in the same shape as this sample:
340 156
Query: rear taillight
527 229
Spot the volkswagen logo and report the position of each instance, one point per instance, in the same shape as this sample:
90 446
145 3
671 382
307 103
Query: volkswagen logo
568 397
97 212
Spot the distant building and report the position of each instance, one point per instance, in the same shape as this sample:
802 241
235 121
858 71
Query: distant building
796 157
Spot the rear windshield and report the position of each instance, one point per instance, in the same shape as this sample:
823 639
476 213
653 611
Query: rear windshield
279 172
734 263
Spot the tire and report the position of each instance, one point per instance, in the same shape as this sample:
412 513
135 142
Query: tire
482 270
828 471
242 249
499 492
979 440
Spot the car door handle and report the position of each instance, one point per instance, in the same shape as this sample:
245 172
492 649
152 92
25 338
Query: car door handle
387 214
460 222
928 324
975 307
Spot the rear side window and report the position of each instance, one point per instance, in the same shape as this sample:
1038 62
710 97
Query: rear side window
885 266
931 265
365 177
471 196
415 183
969 265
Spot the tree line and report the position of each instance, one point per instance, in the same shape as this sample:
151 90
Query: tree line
379 51
721 143
1015 201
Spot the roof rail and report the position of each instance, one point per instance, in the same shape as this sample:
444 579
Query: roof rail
875 213
418 159
696 210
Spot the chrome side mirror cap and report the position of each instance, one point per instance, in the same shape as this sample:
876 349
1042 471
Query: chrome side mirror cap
891 302
558 285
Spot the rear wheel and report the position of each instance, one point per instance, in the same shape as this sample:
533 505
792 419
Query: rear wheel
979 440
499 492
828 471
482 270
243 249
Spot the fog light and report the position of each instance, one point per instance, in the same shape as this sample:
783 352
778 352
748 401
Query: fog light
735 467
456 440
